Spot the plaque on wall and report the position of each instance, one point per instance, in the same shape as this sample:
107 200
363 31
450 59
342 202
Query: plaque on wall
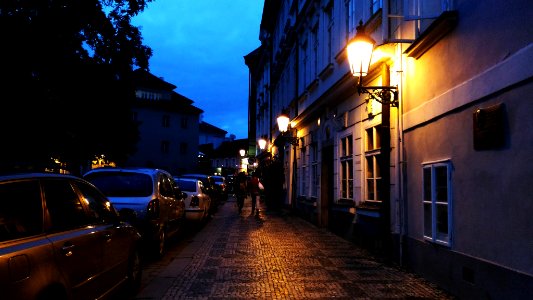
489 127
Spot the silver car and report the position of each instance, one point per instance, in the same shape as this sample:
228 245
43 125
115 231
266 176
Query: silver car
61 238
150 196
198 202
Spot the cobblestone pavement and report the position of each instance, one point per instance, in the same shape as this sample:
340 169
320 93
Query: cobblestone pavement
278 256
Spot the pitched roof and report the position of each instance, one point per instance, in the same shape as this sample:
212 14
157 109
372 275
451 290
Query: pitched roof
208 128
145 79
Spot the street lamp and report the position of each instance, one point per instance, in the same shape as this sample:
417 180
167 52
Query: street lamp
242 152
286 131
360 50
262 143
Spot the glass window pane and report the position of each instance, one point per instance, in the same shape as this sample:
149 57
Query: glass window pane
427 220
370 189
64 205
370 167
99 207
442 222
441 183
21 211
427 184
379 189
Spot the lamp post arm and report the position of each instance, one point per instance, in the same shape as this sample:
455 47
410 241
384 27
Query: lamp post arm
383 94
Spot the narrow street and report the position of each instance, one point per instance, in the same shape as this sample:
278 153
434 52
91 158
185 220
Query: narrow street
273 256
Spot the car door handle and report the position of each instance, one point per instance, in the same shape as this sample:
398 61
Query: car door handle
67 249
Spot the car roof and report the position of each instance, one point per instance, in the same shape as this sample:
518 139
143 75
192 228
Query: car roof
149 171
4 177
186 179
194 174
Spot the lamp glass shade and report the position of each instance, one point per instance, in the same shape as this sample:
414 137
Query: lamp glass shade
283 123
242 152
262 144
359 51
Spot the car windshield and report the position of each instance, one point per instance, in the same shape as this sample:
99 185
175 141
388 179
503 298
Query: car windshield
187 185
123 184
202 178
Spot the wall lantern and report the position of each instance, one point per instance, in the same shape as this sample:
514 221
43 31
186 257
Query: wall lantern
242 152
262 143
360 50
283 122
286 131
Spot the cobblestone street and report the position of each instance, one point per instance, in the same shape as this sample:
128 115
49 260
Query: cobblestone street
278 256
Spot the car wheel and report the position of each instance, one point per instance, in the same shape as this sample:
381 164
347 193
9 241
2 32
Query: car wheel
134 272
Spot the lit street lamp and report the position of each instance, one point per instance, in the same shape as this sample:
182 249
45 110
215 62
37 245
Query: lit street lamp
360 50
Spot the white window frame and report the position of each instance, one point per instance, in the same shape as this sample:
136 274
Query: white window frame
433 219
424 12
373 179
346 174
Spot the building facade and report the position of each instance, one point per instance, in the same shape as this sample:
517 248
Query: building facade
168 126
437 180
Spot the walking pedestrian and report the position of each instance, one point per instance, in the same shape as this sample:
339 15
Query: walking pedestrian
253 189
241 189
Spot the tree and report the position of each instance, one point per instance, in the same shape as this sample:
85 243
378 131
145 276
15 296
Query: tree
65 82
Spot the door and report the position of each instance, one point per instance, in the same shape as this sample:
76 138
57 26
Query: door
117 237
77 246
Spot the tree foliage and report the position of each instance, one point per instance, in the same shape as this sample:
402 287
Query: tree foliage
65 80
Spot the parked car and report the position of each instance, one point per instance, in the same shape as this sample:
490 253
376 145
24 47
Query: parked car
198 202
61 238
150 197
221 186
209 186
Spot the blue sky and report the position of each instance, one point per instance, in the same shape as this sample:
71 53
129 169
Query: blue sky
199 46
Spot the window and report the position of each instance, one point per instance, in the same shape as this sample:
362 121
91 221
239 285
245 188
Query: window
184 123
165 147
166 187
304 180
375 5
165 121
351 21
20 218
64 205
373 165
183 148
437 200
329 39
314 34
304 58
99 207
314 169
424 12
346 170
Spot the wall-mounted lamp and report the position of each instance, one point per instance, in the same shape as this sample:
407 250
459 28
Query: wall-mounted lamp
288 135
262 143
360 50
